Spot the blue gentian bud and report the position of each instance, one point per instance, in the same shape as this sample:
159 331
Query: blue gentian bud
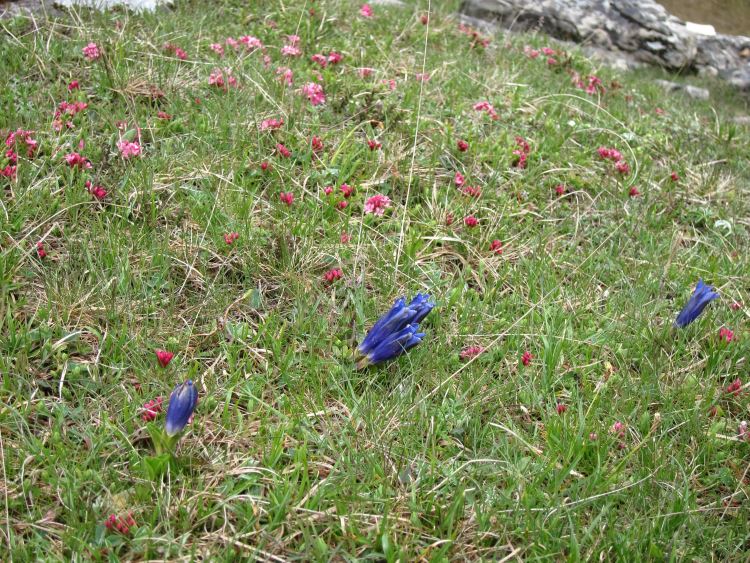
182 403
701 297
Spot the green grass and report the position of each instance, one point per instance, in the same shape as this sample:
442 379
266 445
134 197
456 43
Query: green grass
293 454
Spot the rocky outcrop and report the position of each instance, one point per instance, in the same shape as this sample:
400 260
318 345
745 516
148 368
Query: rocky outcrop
642 29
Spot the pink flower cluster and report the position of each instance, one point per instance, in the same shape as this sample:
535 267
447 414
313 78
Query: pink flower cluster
151 409
128 149
526 358
119 523
614 155
271 124
314 93
470 352
283 151
496 246
332 275
316 143
91 51
726 334
287 198
324 60
734 388
291 49
366 11
476 38
175 50
222 79
69 110
592 85
377 204
75 160
522 152
229 238
487 108
285 74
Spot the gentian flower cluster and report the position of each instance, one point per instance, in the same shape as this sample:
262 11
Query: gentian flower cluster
395 332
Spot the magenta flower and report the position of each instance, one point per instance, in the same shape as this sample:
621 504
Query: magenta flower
377 204
314 93
91 51
128 149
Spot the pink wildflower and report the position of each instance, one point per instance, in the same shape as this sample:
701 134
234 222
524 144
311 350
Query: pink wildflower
314 93
73 85
316 143
283 151
128 149
251 42
448 219
496 246
487 108
120 524
98 192
560 189
471 221
91 51
526 358
322 60
618 429
675 177
217 48
342 204
726 334
561 408
285 74
470 352
222 80
364 72
328 190
472 191
345 238
531 53
229 238
633 192
264 166
366 11
334 57
75 160
163 357
291 51
332 275
622 167
346 190
374 145
459 179
462 145
163 115
151 409
287 198
377 204
422 77
40 250
271 124
734 388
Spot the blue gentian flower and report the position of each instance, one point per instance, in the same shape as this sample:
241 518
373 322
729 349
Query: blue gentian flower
701 297
395 332
182 403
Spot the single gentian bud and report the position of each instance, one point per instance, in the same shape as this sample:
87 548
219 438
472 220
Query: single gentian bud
182 403
701 297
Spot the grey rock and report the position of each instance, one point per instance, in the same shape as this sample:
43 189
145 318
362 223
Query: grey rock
135 5
396 3
697 93
640 30
742 120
